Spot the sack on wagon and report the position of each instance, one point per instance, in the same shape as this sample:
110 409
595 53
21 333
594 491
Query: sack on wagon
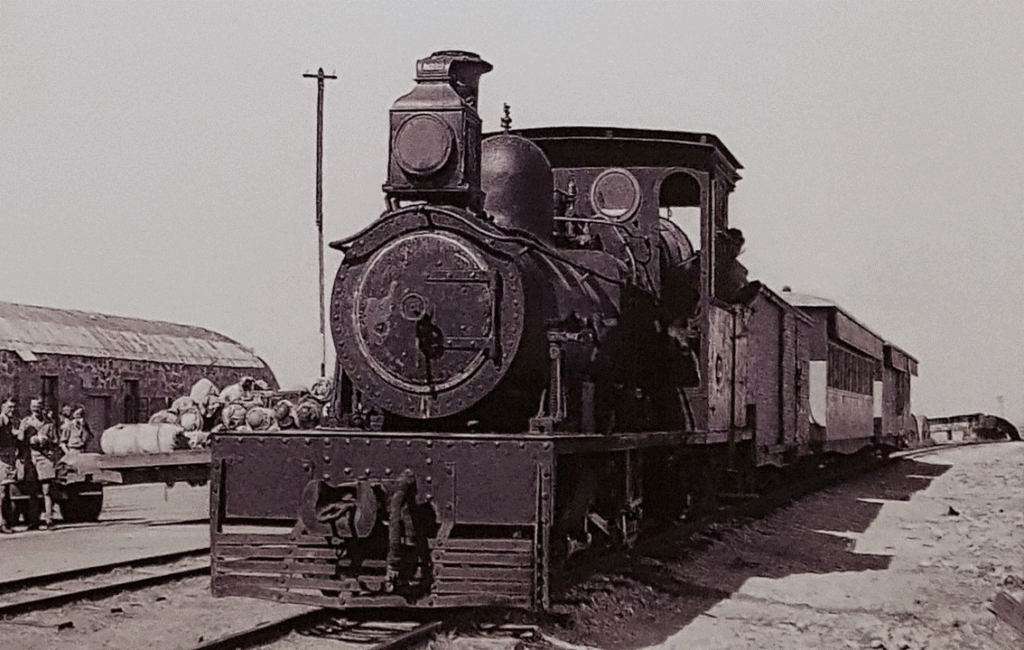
166 416
128 439
182 404
261 418
233 416
191 420
197 439
205 395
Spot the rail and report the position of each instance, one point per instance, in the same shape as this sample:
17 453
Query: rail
271 631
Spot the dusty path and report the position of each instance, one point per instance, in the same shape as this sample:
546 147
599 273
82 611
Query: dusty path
880 562
137 521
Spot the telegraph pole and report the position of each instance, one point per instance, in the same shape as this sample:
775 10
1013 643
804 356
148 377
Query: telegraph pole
320 76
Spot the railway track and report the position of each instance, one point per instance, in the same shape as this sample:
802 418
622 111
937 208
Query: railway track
376 634
36 593
934 449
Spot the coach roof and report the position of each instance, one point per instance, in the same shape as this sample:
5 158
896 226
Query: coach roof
29 330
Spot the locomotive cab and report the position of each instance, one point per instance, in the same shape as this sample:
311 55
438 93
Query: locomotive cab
616 191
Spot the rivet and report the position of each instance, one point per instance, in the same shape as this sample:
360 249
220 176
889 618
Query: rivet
430 479
348 470
497 444
429 496
327 476
429 461
408 443
387 471
309 441
327 458
366 471
430 443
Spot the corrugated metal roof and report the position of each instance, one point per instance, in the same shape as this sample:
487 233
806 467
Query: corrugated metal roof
807 300
42 330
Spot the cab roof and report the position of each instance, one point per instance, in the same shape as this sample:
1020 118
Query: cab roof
582 146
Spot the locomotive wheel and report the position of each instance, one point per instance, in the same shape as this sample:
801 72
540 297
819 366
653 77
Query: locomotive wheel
82 502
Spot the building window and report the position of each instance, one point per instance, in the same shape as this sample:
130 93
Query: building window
51 393
132 403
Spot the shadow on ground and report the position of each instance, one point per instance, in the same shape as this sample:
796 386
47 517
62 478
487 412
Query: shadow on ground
660 590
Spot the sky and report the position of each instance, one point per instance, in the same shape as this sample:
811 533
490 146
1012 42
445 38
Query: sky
157 160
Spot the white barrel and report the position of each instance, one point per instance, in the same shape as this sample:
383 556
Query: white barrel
118 440
167 437
147 439
128 439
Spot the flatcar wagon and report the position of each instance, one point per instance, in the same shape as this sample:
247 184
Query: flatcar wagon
534 361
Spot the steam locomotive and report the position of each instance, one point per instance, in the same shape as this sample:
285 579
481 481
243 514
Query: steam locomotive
534 363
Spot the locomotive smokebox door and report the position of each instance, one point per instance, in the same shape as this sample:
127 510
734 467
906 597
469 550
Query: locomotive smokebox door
429 323
434 151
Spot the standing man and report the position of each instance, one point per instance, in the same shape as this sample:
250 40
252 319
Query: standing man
65 419
29 431
43 446
8 456
76 436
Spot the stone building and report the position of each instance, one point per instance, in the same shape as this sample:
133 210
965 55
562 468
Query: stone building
118 369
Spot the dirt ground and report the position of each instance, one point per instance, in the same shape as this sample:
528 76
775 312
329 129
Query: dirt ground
135 523
907 558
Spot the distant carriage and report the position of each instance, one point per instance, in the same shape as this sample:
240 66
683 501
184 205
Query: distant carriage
971 427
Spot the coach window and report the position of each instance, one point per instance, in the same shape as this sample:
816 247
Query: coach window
679 200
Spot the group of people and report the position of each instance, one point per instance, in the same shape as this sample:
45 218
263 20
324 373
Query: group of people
30 452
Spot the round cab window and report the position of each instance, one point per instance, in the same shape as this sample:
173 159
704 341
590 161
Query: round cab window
615 194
